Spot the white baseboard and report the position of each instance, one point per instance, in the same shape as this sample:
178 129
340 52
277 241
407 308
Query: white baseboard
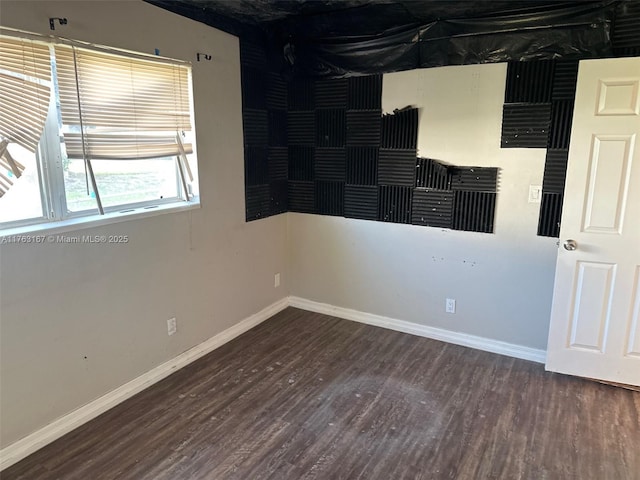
29 444
464 339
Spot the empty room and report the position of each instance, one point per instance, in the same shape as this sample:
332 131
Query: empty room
319 239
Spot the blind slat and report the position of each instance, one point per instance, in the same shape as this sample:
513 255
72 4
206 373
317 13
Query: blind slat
122 147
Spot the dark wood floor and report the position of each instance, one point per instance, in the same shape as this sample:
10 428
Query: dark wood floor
306 396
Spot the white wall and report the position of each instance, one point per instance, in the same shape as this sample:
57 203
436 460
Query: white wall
77 321
502 282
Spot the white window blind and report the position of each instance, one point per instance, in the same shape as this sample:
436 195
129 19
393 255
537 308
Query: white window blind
116 107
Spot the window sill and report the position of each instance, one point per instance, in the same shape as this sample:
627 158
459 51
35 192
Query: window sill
81 223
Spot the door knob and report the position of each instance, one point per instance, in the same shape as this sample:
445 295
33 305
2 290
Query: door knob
570 245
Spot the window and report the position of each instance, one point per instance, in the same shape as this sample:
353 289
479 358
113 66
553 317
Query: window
87 131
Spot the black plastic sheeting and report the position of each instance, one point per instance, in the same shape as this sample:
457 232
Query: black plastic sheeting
336 39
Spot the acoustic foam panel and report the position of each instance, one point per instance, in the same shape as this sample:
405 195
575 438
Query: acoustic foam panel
400 129
278 121
565 76
301 95
525 125
365 93
550 215
253 88
555 171
329 198
302 197
363 127
394 204
301 163
561 119
276 96
529 82
278 159
331 93
362 165
256 166
432 208
474 211
330 164
255 126
397 167
361 202
253 55
432 174
301 128
625 35
476 179
330 127
279 191
258 202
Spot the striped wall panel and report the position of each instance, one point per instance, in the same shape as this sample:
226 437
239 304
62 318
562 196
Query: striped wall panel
256 166
555 171
301 163
432 174
365 93
525 125
279 194
397 167
362 165
400 129
301 128
301 197
475 179
276 96
565 77
529 82
329 198
432 208
331 93
278 160
258 202
474 211
363 127
361 202
550 214
330 164
394 204
330 127
561 119
301 95
277 120
255 125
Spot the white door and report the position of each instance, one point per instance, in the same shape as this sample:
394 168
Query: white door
595 324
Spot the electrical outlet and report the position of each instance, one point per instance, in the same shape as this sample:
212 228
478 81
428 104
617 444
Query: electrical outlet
535 193
172 326
276 280
450 306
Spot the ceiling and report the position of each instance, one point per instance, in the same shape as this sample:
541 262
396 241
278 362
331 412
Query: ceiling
336 38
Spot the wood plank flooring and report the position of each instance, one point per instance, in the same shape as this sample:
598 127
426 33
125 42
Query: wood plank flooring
307 396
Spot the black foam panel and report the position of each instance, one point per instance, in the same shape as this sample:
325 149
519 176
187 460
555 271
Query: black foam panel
361 202
330 127
301 95
474 211
278 159
363 127
362 165
329 198
625 35
400 129
256 166
253 88
302 197
561 119
394 204
253 55
525 125
565 76
475 179
529 82
277 128
255 127
258 202
276 96
301 163
432 208
331 93
550 214
279 191
301 128
397 167
555 171
365 93
330 164
432 174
